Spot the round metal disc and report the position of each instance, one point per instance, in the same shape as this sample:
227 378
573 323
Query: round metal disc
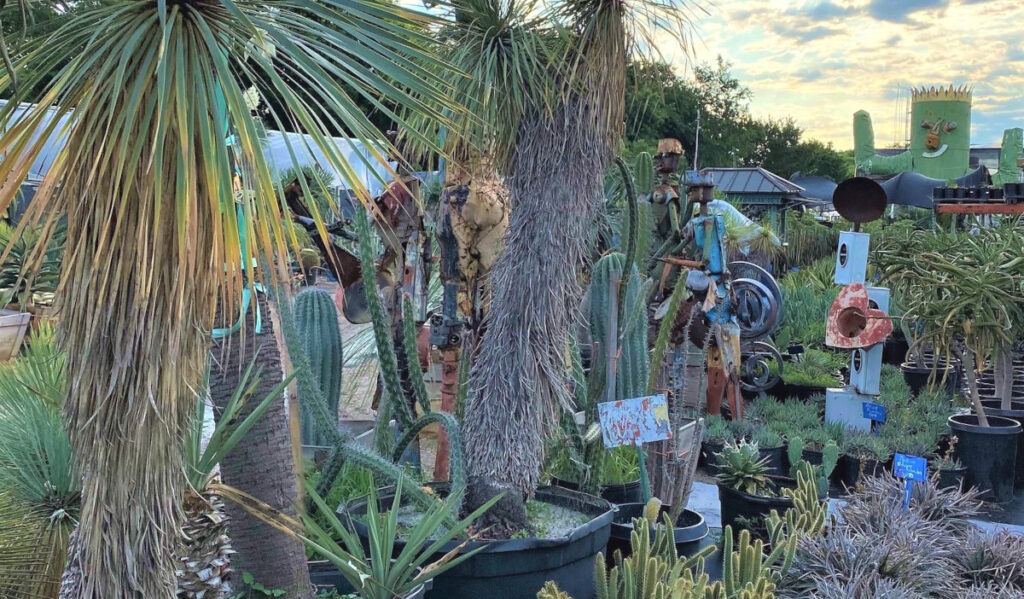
749 270
859 200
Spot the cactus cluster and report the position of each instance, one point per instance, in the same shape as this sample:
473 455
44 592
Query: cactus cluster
632 366
829 459
316 318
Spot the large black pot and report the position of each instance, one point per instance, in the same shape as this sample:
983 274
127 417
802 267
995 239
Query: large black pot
988 452
894 350
917 377
951 477
776 459
615 493
622 493
1016 412
689 531
518 568
325 577
849 470
736 504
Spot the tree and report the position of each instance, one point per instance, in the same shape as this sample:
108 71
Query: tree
144 182
566 136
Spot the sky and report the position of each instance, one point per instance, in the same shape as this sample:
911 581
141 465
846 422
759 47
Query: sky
819 61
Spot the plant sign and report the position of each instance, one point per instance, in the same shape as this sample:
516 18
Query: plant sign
873 412
911 469
634 421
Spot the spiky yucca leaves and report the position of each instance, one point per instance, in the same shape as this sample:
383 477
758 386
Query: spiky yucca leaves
22 565
993 558
37 465
144 182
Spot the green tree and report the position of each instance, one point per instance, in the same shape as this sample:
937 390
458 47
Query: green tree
144 182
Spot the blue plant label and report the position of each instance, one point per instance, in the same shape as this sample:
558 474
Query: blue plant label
634 421
909 467
873 411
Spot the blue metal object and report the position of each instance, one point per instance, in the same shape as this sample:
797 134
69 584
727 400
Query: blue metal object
910 467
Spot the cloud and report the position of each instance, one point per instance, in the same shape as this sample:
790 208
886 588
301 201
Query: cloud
825 11
899 11
803 34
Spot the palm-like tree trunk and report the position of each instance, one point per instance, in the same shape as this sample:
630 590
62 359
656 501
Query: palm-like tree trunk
520 372
261 464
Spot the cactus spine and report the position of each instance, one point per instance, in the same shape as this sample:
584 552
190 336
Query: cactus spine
316 318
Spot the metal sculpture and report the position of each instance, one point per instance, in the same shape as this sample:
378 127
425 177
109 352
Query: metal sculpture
858 319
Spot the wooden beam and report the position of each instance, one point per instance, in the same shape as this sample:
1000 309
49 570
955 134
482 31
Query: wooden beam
988 208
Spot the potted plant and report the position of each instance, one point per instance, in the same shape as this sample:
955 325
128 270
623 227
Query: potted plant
863 454
689 529
771 448
716 435
963 290
947 472
812 371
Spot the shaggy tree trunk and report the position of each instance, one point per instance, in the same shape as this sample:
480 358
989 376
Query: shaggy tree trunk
520 372
261 464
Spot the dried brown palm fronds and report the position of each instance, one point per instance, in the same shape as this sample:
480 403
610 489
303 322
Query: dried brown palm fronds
144 180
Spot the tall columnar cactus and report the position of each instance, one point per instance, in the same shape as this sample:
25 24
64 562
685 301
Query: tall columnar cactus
316 319
419 386
632 364
386 359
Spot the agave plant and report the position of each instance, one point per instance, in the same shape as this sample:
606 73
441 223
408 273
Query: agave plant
742 468
373 567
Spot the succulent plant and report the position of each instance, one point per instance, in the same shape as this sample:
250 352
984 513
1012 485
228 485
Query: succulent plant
742 468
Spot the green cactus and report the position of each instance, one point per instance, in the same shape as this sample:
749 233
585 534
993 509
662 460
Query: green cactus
316 318
386 359
419 387
665 332
457 460
746 571
829 459
344 446
643 173
550 590
795 453
633 363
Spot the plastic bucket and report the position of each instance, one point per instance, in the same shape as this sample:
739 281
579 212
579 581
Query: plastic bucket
988 452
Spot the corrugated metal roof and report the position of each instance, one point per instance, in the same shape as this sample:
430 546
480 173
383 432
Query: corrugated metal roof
751 179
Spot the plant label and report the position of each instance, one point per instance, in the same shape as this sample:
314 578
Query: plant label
634 421
910 467
873 411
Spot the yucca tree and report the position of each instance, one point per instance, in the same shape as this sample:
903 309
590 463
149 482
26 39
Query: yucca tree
144 182
566 132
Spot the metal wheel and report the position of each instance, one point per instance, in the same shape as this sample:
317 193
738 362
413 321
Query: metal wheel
757 310
757 373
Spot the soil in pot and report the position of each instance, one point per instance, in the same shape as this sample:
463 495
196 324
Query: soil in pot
1016 412
517 568
689 532
989 453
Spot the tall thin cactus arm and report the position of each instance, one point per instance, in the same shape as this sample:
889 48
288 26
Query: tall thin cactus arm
457 459
386 358
419 387
665 332
633 232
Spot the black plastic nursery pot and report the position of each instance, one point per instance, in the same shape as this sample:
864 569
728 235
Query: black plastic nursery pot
325 577
689 531
989 453
850 469
1016 412
895 350
951 477
628 492
710 451
737 505
518 568
616 493
917 377
776 459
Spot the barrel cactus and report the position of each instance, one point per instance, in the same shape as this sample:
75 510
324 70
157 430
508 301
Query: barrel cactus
317 320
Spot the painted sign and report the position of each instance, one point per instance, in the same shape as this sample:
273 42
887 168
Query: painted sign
634 421
873 411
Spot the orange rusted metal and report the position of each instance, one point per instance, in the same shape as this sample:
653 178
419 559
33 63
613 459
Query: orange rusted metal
852 323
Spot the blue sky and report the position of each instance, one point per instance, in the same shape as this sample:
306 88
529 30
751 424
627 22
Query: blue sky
818 61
